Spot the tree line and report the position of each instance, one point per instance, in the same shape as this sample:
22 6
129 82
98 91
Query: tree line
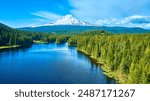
10 36
125 57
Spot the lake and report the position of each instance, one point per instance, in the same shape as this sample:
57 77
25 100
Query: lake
49 64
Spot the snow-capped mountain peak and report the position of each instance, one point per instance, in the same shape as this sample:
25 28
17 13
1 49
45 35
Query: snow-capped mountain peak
69 20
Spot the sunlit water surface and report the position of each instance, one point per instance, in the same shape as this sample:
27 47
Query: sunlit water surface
49 64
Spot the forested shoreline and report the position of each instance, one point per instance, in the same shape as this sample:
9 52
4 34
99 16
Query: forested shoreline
12 38
125 57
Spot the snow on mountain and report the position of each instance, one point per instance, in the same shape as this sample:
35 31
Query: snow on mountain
69 20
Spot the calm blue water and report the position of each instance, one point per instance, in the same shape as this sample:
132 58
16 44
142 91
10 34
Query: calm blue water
49 64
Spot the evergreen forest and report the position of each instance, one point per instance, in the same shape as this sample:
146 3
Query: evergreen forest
125 57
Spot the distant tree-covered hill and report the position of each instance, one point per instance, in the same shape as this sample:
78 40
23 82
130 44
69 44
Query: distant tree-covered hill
10 36
74 29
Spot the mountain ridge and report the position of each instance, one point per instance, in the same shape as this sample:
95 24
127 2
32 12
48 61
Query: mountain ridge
69 24
62 29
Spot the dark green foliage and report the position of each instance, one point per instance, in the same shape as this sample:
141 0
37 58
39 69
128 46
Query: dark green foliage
61 39
51 38
95 32
10 36
72 41
126 56
58 38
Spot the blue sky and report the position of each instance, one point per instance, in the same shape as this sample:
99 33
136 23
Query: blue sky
130 13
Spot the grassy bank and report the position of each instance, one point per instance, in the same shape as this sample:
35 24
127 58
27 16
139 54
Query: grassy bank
39 42
9 47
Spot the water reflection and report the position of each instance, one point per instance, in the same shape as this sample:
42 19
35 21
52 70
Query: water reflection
49 64
95 68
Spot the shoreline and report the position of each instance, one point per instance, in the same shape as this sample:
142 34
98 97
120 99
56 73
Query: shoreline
14 47
104 67
9 47
39 42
